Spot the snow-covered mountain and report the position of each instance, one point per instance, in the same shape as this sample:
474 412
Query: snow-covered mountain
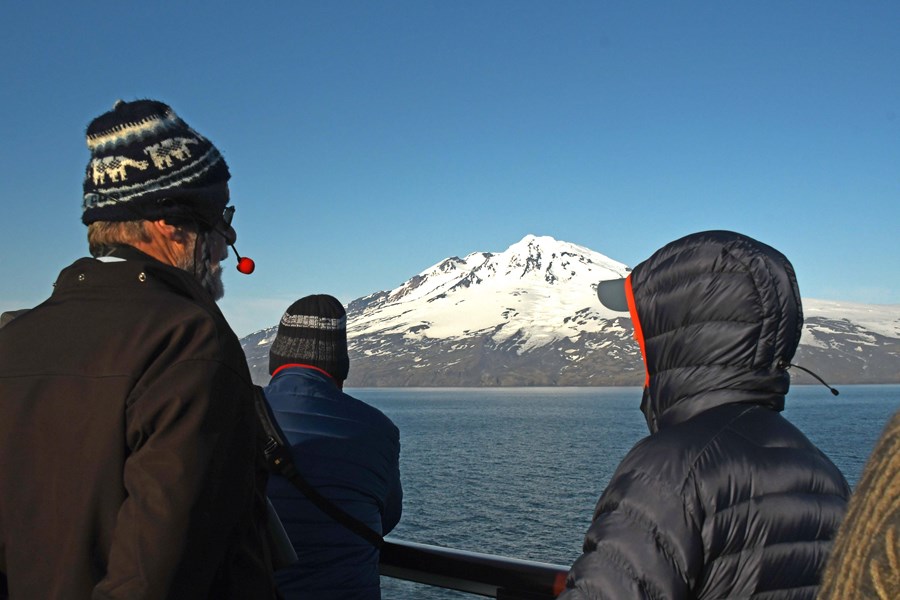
530 316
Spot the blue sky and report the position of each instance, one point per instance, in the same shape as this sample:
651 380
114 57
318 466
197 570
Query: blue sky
368 140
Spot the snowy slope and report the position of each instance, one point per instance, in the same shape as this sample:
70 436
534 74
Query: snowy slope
531 290
883 319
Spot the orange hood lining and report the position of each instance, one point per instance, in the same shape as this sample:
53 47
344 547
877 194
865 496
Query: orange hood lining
636 323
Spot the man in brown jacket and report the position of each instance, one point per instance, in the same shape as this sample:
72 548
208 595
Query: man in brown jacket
128 441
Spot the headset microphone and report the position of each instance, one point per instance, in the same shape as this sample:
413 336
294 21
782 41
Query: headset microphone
244 265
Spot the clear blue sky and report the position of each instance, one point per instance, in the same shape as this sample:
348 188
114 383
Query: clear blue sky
368 140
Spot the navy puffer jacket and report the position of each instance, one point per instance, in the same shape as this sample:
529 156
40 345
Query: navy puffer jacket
350 452
725 498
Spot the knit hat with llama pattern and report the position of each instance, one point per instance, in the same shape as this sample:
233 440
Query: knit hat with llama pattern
146 163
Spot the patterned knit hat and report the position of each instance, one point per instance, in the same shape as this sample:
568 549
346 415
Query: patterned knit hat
146 163
313 331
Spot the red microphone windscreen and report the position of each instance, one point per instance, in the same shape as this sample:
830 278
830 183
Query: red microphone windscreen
246 265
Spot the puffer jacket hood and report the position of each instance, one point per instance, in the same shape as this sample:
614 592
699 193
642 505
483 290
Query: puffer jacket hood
718 317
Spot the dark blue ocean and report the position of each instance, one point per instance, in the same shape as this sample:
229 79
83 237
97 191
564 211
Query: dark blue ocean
517 471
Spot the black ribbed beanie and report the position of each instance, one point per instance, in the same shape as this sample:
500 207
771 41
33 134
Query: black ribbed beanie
313 331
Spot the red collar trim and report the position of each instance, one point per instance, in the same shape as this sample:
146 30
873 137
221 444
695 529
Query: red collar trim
292 365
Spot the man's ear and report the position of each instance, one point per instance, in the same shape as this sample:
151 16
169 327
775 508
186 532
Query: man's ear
164 230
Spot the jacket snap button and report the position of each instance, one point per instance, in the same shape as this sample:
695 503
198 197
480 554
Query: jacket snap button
142 277
81 277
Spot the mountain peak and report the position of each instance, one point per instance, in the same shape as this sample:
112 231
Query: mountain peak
529 315
530 291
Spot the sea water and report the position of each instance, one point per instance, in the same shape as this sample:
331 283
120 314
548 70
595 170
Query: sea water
517 471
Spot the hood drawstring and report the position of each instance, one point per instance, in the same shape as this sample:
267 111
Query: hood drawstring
782 364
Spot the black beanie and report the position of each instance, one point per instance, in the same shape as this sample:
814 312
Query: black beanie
313 332
146 163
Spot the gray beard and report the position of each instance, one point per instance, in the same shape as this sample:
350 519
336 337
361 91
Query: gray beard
198 261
